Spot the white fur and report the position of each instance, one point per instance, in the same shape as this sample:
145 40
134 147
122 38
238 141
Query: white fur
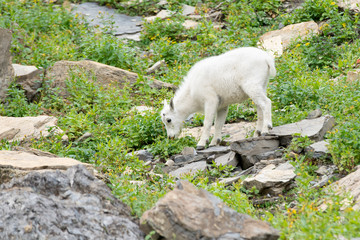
214 83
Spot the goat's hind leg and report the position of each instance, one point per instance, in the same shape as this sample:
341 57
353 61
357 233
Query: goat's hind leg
219 123
263 105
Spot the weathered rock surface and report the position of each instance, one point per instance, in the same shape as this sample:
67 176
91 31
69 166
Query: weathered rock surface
23 128
271 180
63 205
19 163
251 149
190 168
123 26
6 69
350 184
228 159
143 155
349 4
234 131
315 129
318 149
30 78
105 75
188 213
278 40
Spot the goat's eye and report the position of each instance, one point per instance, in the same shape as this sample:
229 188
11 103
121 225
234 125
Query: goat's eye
168 120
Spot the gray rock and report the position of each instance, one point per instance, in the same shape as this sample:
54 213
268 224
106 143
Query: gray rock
63 205
217 150
105 17
182 158
30 78
105 75
85 136
318 150
190 168
144 155
6 69
25 128
19 163
190 213
314 114
326 170
188 151
271 180
188 10
251 149
315 129
228 159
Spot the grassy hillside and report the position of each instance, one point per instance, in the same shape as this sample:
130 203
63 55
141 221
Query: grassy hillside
311 74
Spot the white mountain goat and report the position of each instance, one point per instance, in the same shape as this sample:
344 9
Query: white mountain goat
214 83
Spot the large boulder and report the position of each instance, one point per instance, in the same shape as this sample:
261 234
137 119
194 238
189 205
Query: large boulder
29 78
19 163
105 75
278 40
315 129
63 205
24 128
6 69
188 213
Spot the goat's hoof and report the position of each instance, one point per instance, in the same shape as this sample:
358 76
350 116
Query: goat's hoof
199 148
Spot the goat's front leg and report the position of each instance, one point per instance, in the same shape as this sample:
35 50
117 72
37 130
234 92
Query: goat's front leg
219 123
210 111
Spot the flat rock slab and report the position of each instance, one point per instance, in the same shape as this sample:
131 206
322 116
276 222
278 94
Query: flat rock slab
318 149
315 129
103 16
233 131
271 180
190 213
105 75
22 128
190 168
63 205
30 161
278 40
19 163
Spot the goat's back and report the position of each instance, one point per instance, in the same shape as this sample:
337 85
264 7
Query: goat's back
228 74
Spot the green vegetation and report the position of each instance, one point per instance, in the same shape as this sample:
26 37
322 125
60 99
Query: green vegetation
310 75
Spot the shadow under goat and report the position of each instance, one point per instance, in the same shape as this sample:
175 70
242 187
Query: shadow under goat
214 83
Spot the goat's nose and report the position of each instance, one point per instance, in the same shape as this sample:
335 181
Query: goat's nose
172 137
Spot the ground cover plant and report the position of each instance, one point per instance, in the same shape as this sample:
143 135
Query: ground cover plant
311 74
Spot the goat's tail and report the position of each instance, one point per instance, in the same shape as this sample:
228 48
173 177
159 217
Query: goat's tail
271 64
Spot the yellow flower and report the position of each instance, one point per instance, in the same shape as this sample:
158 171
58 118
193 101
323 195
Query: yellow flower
333 3
307 44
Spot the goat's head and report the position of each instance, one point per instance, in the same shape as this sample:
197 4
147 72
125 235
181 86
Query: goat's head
171 119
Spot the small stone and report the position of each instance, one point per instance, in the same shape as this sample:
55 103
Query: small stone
143 155
191 168
169 163
314 114
188 151
188 10
318 149
229 159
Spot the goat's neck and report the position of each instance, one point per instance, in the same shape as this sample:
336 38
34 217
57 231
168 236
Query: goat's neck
184 103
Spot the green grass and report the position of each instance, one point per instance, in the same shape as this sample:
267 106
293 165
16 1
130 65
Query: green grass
46 33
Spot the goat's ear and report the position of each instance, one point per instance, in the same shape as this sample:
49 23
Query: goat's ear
171 104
